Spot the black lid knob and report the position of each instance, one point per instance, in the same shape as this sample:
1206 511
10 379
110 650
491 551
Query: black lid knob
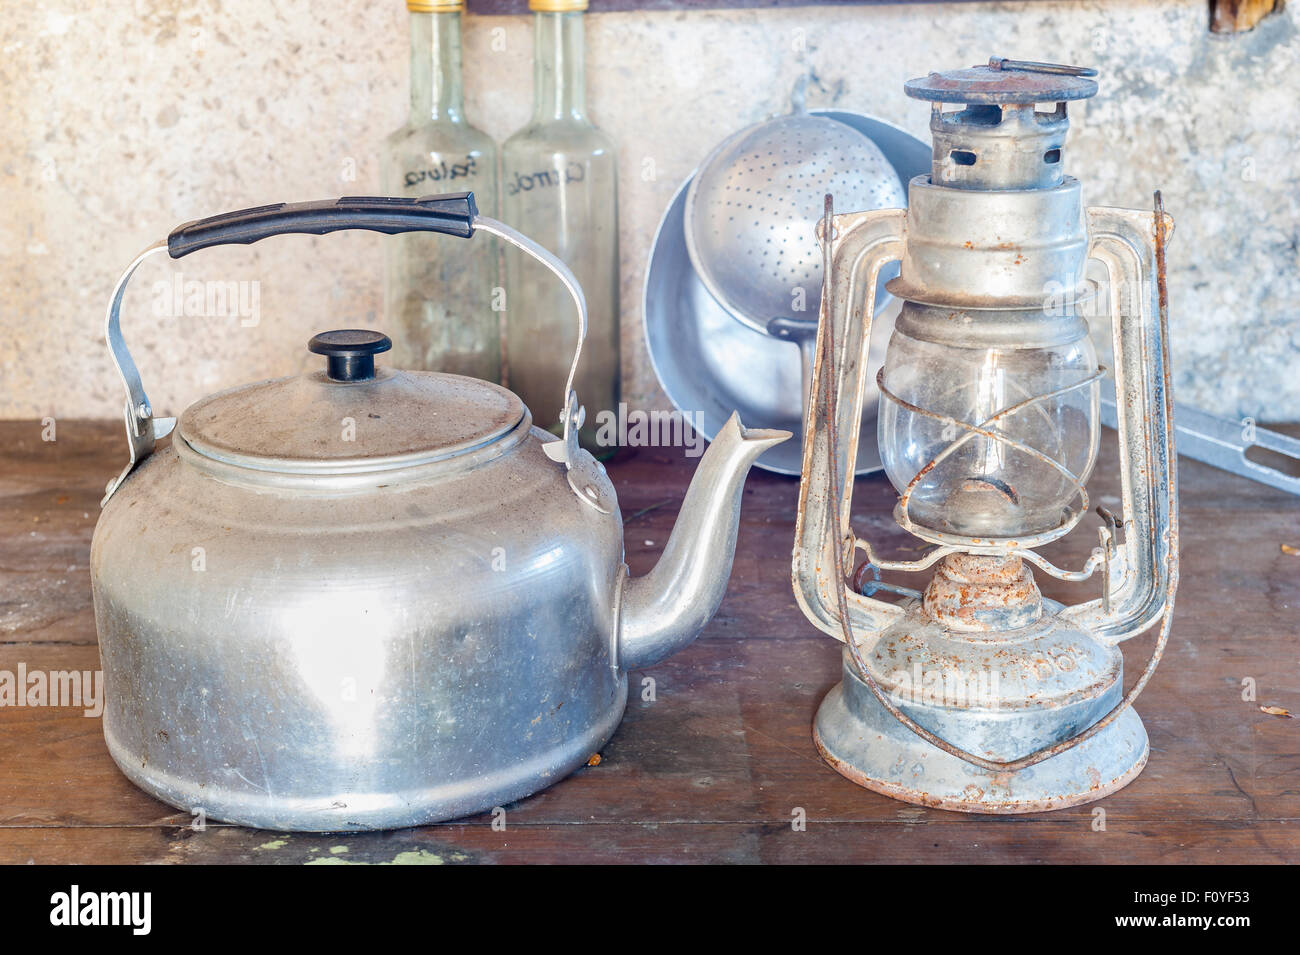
351 352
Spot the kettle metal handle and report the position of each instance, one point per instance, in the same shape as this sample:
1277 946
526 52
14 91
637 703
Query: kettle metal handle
452 214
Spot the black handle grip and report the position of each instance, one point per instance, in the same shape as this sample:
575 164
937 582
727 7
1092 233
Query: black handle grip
452 214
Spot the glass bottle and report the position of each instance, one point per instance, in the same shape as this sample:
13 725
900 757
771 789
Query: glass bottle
440 290
559 187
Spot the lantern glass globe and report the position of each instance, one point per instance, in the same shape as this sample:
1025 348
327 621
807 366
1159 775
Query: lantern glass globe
986 488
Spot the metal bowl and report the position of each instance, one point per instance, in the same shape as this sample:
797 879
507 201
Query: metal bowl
710 364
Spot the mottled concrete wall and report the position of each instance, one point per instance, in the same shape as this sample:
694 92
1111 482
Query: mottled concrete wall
121 120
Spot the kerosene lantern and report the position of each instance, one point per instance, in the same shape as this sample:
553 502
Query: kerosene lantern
979 694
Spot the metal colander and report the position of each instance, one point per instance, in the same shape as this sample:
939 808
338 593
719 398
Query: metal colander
753 206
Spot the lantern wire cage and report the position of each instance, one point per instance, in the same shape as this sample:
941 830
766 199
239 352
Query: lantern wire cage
1020 545
988 428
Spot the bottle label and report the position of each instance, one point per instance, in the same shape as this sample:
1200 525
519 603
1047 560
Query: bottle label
572 172
443 172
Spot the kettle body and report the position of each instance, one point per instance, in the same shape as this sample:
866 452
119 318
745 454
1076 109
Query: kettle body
376 659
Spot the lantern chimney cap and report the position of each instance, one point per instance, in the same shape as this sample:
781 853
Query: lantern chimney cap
1004 82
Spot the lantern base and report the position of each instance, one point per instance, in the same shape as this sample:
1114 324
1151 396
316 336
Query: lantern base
864 743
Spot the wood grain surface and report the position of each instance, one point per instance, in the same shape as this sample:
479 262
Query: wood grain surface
716 767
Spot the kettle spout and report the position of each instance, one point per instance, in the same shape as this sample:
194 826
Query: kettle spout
667 608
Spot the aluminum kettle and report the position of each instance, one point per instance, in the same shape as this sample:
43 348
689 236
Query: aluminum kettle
366 598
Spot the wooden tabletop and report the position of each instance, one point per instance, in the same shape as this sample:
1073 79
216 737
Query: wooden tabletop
717 766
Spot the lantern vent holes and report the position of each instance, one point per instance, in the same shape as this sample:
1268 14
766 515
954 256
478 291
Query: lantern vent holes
998 146
978 115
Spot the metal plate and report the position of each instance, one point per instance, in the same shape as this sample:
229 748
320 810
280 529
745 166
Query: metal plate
710 364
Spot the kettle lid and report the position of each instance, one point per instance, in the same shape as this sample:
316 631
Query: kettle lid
349 417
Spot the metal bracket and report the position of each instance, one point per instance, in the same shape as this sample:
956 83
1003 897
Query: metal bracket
1221 442
585 473
143 430
1131 245
141 436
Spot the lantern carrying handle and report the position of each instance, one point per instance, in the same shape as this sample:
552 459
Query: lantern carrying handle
454 214
1129 308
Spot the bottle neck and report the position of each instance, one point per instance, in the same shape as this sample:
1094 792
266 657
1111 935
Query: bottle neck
559 78
437 92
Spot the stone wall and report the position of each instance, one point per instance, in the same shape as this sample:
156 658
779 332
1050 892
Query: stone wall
122 120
